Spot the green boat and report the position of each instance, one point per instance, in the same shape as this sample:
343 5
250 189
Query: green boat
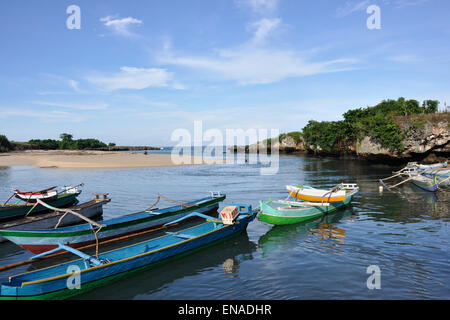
289 212
61 200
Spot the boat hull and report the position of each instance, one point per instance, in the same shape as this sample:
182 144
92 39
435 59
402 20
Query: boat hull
8 212
431 187
283 217
39 241
52 283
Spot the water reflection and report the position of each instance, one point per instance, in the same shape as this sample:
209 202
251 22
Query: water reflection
408 204
226 257
323 228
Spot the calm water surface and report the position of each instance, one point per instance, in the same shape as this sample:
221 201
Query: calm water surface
405 233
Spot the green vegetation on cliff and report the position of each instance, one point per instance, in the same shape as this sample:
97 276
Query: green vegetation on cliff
379 122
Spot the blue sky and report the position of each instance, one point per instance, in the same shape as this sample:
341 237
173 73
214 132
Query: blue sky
138 70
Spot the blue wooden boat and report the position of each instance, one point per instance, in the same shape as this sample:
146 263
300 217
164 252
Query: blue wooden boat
78 276
42 240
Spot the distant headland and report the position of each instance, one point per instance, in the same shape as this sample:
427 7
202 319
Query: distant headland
66 143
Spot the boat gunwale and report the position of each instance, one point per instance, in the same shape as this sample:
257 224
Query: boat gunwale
85 228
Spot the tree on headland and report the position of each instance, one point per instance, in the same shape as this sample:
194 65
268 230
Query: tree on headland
5 145
430 106
66 137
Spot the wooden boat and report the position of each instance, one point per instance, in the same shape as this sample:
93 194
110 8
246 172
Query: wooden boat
41 240
289 212
88 272
425 183
90 209
307 193
46 194
66 197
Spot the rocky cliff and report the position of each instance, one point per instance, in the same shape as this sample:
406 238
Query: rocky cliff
427 138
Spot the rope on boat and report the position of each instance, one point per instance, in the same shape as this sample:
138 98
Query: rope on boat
9 199
21 263
96 239
154 203
168 199
67 211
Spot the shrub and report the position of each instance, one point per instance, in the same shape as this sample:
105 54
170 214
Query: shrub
5 145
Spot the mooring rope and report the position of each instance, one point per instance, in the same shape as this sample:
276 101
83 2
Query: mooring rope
168 199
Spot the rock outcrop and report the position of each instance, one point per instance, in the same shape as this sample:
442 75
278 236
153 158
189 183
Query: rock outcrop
426 139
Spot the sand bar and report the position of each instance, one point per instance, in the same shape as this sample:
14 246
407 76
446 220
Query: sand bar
74 159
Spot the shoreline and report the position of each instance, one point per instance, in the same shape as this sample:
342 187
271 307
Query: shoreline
89 159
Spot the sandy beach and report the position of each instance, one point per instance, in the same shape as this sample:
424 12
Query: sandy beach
76 159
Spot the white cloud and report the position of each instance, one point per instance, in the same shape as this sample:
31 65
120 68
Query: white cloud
255 61
74 85
263 28
121 26
250 64
134 78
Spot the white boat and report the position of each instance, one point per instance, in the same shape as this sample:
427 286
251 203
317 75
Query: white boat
307 193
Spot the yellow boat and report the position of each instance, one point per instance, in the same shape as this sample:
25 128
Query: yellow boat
307 193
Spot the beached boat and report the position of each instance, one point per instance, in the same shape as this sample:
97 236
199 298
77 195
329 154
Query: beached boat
41 240
89 209
66 197
289 212
336 194
88 272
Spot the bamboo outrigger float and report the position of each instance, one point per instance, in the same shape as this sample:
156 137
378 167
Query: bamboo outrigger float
89 272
